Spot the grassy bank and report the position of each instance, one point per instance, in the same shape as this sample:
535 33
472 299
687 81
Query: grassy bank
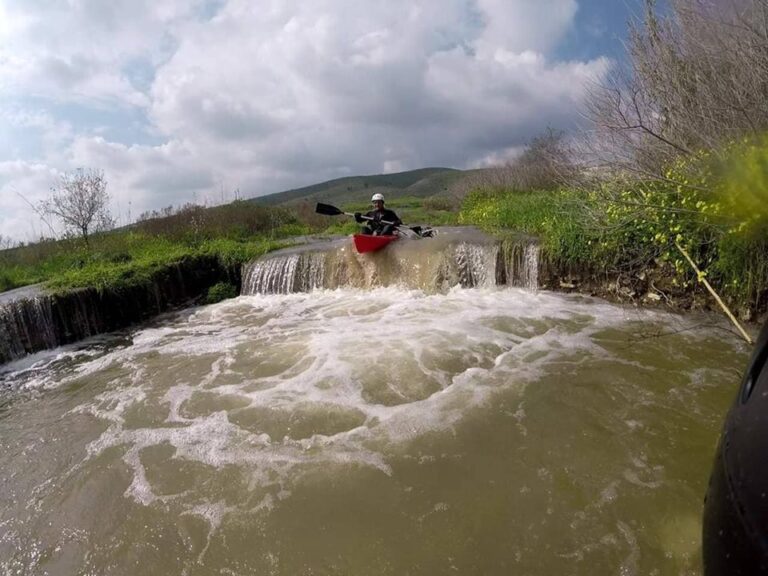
124 259
555 217
234 234
711 206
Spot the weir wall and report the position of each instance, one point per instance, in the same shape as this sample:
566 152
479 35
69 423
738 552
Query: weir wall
37 320
44 321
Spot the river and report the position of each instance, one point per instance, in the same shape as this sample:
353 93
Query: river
386 431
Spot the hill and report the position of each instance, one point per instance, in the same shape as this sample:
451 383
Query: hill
420 183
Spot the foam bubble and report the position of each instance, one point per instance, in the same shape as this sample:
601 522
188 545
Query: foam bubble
276 386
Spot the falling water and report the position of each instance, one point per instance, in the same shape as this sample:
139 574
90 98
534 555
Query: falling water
25 325
286 274
457 257
518 263
32 320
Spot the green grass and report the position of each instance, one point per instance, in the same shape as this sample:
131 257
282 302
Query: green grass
126 257
342 226
142 256
233 233
613 232
553 216
220 291
38 263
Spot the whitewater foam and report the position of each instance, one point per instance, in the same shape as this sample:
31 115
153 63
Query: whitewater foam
278 386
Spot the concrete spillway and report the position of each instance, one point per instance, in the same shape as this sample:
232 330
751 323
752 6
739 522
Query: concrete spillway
457 257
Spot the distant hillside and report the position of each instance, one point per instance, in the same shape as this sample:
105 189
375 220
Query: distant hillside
356 189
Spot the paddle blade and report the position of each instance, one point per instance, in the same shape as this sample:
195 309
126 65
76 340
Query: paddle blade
327 209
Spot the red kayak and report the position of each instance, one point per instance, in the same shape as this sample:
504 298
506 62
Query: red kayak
367 243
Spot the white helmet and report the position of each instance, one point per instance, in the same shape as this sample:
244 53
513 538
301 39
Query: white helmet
376 197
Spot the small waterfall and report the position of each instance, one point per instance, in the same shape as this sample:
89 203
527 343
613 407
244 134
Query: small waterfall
25 326
31 320
518 263
465 258
284 275
475 265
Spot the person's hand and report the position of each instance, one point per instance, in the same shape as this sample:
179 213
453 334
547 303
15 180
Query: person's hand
359 217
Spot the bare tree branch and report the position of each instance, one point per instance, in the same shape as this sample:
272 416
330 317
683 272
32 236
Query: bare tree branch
697 78
40 213
81 202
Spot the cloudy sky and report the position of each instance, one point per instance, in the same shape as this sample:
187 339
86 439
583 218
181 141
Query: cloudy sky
188 100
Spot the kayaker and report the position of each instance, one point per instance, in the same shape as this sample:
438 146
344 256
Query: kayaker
378 215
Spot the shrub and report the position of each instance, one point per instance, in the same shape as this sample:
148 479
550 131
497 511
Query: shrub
220 291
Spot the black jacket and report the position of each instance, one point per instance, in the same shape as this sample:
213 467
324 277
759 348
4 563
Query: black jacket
385 215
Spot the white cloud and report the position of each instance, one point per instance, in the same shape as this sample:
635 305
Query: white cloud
498 157
78 49
22 185
270 95
146 176
52 132
355 84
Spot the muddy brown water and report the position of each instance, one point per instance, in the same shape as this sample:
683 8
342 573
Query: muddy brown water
479 431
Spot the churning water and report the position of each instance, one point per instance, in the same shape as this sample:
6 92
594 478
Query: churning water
392 431
459 256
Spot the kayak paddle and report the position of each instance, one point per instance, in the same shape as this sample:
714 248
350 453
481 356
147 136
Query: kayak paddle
329 210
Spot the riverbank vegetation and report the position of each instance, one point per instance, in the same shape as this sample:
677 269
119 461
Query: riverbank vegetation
234 233
636 231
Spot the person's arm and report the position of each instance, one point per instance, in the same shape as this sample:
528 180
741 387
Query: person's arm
394 219
363 217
